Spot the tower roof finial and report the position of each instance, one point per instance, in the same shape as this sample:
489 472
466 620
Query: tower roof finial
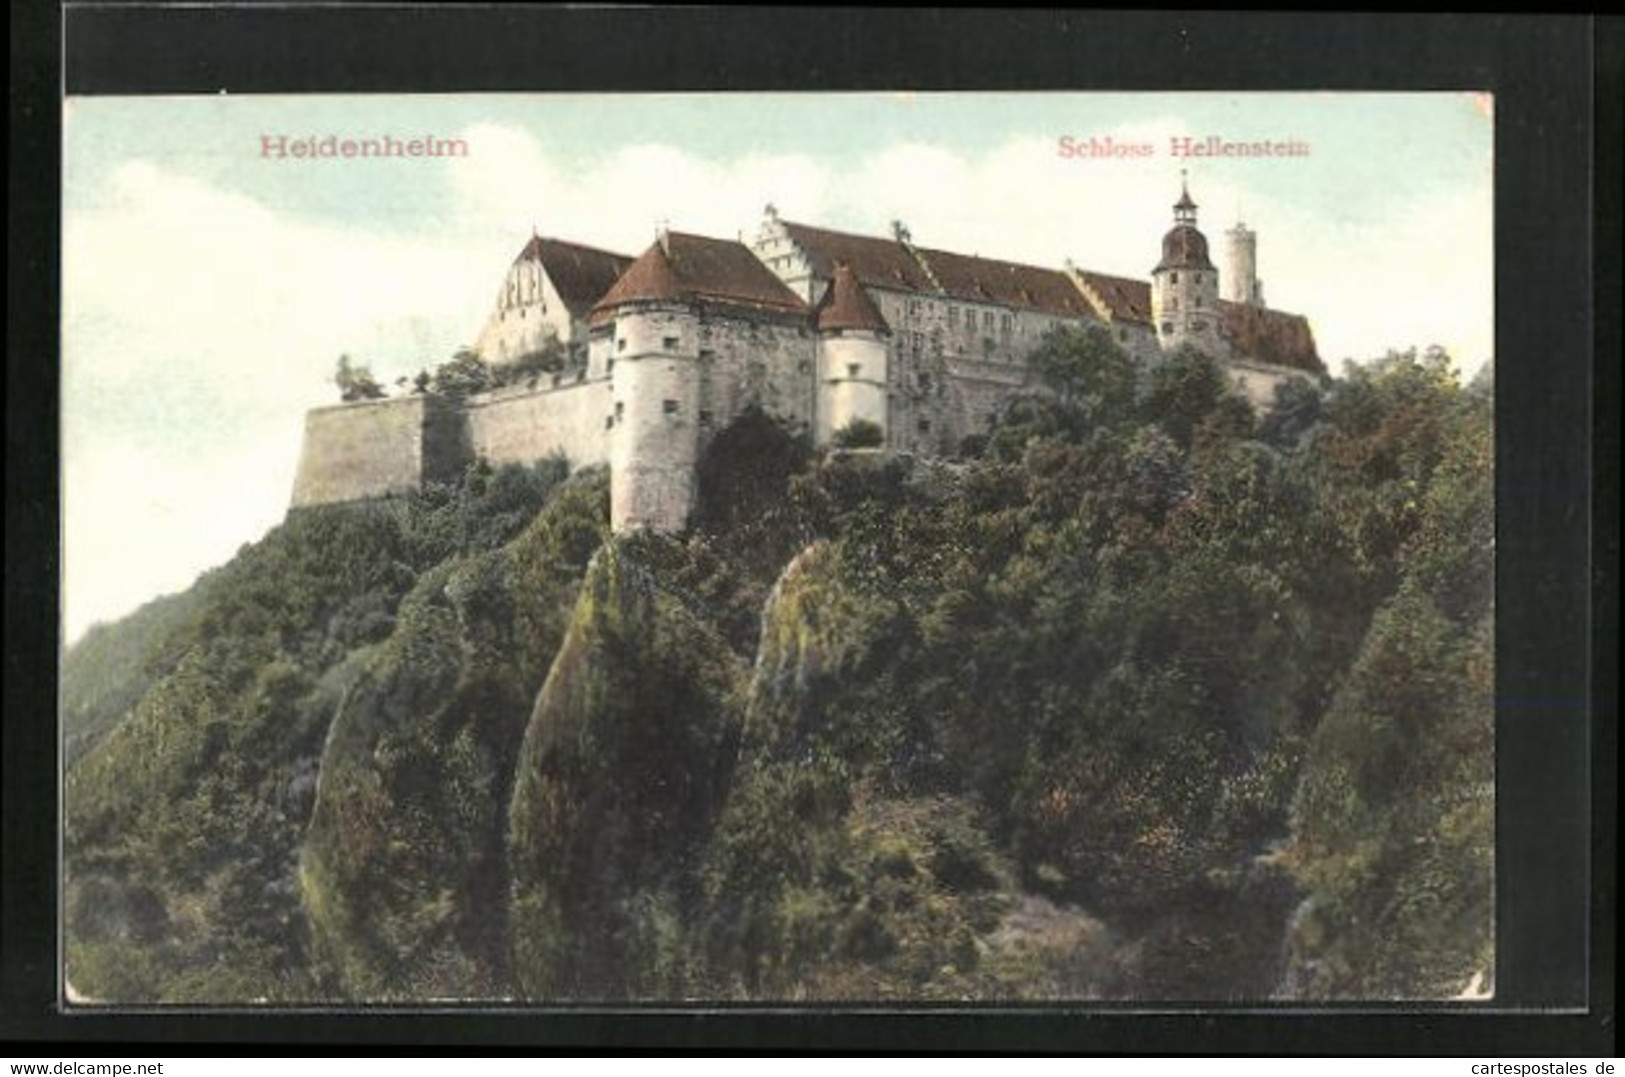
1185 208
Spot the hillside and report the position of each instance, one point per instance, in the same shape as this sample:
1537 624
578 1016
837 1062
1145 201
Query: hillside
1140 698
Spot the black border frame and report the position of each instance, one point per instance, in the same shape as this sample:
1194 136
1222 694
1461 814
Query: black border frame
1558 85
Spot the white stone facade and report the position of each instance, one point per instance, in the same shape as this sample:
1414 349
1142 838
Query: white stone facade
930 353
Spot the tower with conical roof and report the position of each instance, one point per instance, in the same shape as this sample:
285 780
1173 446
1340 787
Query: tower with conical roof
1185 284
852 357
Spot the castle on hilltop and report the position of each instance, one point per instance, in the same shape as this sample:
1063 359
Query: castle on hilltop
822 329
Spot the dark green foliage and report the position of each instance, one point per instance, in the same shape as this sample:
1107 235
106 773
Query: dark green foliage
625 761
1142 698
188 817
464 374
107 672
742 478
1191 397
404 869
356 382
1393 822
1087 370
859 434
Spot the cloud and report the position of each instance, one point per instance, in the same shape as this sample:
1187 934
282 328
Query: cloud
198 325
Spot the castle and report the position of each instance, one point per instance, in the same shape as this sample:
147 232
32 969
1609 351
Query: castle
819 328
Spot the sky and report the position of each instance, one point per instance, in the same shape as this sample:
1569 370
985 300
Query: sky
209 288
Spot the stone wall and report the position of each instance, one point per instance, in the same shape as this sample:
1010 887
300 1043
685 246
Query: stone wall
521 426
1258 381
378 447
953 363
761 361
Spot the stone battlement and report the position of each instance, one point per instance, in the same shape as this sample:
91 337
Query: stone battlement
820 329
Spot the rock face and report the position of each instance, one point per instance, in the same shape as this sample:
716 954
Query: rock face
625 761
404 866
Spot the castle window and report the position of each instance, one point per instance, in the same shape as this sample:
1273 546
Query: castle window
669 407
707 355
620 410
987 320
1006 323
1173 278
1198 278
609 364
706 418
609 421
923 426
1196 301
620 345
1167 327
670 343
953 317
852 369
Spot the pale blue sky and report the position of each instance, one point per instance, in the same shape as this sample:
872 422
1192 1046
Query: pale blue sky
208 291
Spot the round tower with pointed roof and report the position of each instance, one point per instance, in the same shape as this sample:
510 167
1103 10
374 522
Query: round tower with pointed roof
654 392
1185 284
852 357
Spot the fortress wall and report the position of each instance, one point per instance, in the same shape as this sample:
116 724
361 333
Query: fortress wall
936 343
755 361
1258 381
526 426
369 449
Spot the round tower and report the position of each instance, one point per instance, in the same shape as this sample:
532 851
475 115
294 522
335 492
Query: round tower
1185 284
654 417
852 358
1241 283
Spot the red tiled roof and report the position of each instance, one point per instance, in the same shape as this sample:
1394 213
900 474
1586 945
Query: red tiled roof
1127 300
1010 284
580 274
1184 247
847 306
876 263
704 270
1270 336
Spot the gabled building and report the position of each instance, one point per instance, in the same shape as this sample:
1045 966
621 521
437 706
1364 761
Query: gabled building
818 327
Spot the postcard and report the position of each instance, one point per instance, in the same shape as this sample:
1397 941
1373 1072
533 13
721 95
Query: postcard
794 548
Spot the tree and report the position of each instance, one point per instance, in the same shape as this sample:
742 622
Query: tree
356 382
859 434
1191 397
1086 369
463 374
